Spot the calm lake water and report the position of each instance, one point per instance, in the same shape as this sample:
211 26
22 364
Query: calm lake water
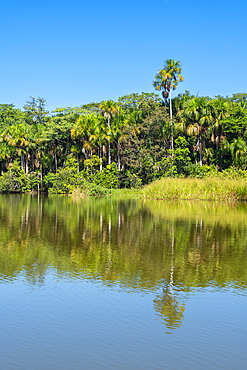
122 284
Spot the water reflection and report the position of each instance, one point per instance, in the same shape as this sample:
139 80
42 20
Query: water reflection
169 308
164 248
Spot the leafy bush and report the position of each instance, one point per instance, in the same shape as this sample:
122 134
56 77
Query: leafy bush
87 188
195 170
15 180
176 163
35 180
107 179
181 155
234 173
66 180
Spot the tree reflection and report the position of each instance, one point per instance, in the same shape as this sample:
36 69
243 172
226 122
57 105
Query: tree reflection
129 243
168 308
166 304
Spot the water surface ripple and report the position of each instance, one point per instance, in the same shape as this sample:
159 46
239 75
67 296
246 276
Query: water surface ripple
122 284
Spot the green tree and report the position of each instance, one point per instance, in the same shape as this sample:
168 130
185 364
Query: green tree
109 108
220 110
10 116
166 80
198 112
35 110
85 131
20 137
144 102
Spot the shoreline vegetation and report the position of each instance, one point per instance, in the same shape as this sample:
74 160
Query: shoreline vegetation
211 189
182 147
214 188
226 186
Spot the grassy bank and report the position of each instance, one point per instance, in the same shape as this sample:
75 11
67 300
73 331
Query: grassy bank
203 189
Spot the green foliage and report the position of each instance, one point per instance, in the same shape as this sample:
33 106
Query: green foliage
49 180
181 155
195 170
165 168
107 179
91 165
10 116
35 110
133 134
14 180
131 180
66 180
144 102
88 188
35 180
69 181
233 173
176 163
169 77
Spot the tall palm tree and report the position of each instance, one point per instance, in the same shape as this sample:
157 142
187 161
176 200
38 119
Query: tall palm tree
20 137
84 130
109 109
5 155
101 135
167 80
198 111
117 130
220 110
237 148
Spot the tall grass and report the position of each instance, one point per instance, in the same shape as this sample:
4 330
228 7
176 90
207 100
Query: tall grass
216 188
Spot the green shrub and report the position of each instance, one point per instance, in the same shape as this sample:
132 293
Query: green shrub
87 188
15 180
234 173
181 155
66 180
130 180
107 179
195 170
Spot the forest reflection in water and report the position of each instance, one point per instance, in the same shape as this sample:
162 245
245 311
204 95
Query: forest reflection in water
167 248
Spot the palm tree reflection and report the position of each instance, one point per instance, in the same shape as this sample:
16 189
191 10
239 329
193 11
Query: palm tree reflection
166 304
168 308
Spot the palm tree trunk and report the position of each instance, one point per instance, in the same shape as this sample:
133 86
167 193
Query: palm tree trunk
118 157
200 158
100 158
109 152
200 149
22 161
27 163
109 143
66 152
171 120
55 157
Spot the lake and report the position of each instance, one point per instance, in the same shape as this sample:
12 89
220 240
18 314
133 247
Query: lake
101 283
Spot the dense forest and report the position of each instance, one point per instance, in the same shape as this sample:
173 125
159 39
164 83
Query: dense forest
127 143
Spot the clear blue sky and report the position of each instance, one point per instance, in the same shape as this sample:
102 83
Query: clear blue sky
75 52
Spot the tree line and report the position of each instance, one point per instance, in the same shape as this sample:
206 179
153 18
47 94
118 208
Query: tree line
135 140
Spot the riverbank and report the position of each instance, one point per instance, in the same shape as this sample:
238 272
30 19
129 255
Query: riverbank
230 185
211 188
196 189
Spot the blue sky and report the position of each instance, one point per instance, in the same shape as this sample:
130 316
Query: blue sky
75 52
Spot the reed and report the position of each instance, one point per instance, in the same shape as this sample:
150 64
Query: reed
212 188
